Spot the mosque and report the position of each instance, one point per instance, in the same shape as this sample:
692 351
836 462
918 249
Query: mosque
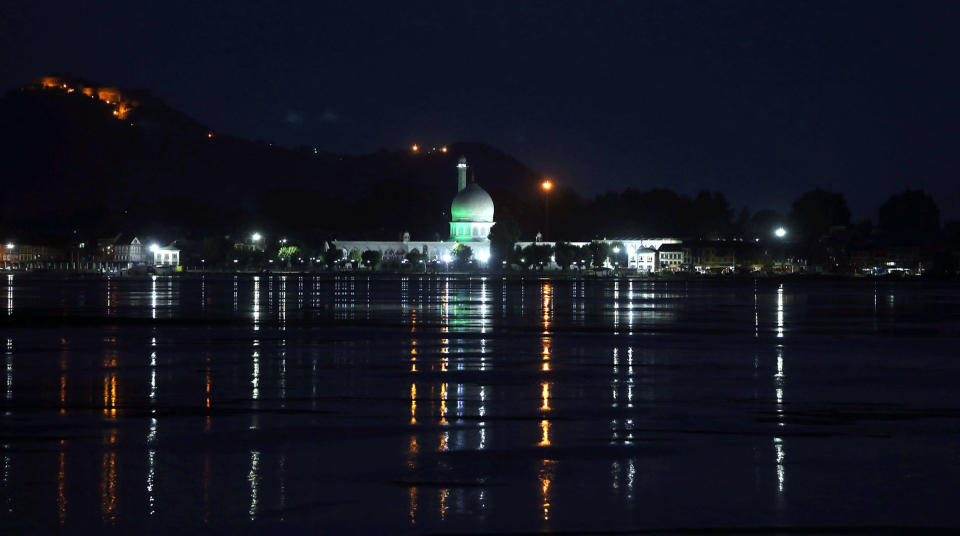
471 218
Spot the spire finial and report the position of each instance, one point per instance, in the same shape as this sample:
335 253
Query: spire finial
461 173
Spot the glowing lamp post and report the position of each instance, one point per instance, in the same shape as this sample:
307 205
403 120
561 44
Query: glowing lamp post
780 233
546 186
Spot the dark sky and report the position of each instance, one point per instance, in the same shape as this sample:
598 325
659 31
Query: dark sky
759 100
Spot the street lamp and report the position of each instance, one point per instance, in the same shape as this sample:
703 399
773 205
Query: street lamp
780 233
546 186
256 237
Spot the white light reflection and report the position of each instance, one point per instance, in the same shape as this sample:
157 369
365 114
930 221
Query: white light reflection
780 311
484 309
255 377
282 302
151 475
781 472
9 371
9 294
616 307
779 446
482 412
756 312
255 387
283 375
253 478
7 465
153 377
256 303
778 384
153 297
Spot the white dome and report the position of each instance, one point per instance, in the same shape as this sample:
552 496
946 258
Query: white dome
473 203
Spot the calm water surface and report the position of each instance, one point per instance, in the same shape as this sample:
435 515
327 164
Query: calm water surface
435 404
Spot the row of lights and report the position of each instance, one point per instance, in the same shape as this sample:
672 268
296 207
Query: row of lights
482 256
416 149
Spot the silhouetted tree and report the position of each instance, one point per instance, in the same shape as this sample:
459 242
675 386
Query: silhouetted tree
584 254
503 235
371 258
763 223
815 212
355 257
415 258
599 251
287 253
462 255
332 256
712 214
217 250
911 216
537 255
565 254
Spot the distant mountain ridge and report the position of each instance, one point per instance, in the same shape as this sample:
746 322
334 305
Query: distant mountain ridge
82 155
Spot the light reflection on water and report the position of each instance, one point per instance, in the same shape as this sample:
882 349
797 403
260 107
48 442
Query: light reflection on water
449 403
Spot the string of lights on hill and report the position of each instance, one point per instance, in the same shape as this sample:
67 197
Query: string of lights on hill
416 149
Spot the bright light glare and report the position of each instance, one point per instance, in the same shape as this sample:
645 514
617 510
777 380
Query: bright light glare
616 250
483 256
447 258
256 237
547 185
780 232
154 248
9 246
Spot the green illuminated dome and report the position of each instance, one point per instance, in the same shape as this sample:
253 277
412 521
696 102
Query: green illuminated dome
473 203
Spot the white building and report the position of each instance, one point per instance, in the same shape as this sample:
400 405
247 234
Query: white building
645 259
165 255
471 220
471 214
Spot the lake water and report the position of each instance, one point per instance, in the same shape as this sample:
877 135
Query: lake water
435 404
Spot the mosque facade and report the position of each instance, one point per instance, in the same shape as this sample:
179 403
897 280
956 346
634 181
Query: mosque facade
471 218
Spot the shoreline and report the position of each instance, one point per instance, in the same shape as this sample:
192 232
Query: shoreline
510 276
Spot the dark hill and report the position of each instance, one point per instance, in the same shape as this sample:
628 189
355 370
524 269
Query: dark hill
80 156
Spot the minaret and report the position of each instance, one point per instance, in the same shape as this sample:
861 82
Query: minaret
462 174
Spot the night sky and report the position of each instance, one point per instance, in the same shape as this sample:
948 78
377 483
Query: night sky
759 100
